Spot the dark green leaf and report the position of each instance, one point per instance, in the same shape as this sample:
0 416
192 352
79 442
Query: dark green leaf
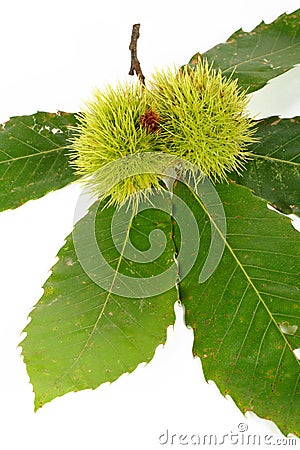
243 313
274 171
81 335
33 157
264 53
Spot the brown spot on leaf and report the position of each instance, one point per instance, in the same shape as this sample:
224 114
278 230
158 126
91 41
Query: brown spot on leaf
195 58
276 122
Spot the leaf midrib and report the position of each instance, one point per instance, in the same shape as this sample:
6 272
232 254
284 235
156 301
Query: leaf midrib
109 293
248 278
100 315
260 57
272 159
32 155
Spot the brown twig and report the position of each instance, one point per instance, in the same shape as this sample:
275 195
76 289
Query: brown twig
135 64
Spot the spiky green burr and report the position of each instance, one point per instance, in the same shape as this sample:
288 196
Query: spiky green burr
203 118
194 114
109 129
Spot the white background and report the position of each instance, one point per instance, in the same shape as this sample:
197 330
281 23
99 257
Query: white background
52 55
